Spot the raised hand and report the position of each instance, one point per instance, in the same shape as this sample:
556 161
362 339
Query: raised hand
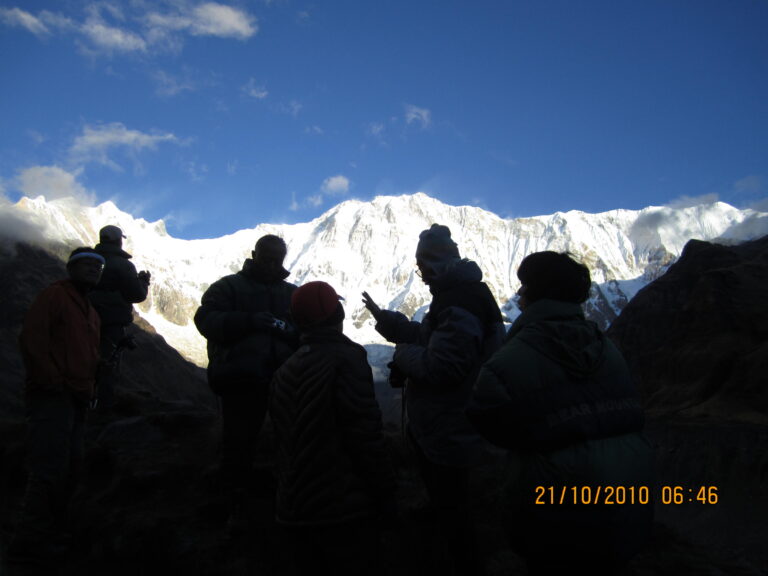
372 307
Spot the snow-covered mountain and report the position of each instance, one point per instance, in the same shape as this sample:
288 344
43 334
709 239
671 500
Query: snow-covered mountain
358 246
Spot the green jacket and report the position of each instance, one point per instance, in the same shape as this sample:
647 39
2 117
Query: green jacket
558 395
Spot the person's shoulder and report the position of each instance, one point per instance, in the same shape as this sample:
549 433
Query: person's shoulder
227 280
338 348
54 290
316 358
112 251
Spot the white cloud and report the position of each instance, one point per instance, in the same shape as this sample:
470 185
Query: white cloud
255 91
181 219
294 205
376 129
110 38
690 201
94 143
209 19
336 185
760 205
196 170
110 27
36 137
421 116
315 200
52 182
752 184
22 19
314 129
168 85
293 108
213 19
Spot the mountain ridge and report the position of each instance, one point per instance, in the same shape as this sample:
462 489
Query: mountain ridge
370 245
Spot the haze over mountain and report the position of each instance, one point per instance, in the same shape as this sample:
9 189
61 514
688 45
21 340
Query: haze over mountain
370 246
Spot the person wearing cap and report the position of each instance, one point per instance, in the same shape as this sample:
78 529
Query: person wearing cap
335 481
439 359
559 397
245 319
119 289
59 344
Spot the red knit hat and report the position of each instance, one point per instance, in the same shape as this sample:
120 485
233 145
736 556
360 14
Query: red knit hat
316 304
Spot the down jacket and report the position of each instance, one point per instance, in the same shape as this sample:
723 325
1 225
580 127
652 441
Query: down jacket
241 352
559 396
119 288
441 356
60 341
331 460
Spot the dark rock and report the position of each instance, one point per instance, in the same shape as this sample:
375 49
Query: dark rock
696 340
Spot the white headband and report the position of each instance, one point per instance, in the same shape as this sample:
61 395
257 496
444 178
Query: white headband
92 255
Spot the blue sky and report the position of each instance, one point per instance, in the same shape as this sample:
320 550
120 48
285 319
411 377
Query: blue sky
217 116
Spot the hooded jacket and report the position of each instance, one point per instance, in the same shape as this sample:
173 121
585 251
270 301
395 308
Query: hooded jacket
556 381
119 287
331 459
60 342
559 395
241 353
441 356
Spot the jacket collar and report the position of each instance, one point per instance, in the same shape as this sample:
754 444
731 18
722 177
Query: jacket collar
254 271
325 334
545 310
459 272
104 248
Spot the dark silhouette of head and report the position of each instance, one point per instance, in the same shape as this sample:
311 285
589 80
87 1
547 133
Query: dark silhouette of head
435 252
111 235
268 254
553 276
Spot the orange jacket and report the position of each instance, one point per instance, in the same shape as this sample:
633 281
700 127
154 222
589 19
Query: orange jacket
60 341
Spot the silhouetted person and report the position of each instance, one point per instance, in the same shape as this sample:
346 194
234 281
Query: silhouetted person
245 318
119 289
335 477
59 344
439 358
559 396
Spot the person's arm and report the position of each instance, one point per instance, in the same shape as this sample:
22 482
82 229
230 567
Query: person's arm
394 326
133 288
219 320
453 351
